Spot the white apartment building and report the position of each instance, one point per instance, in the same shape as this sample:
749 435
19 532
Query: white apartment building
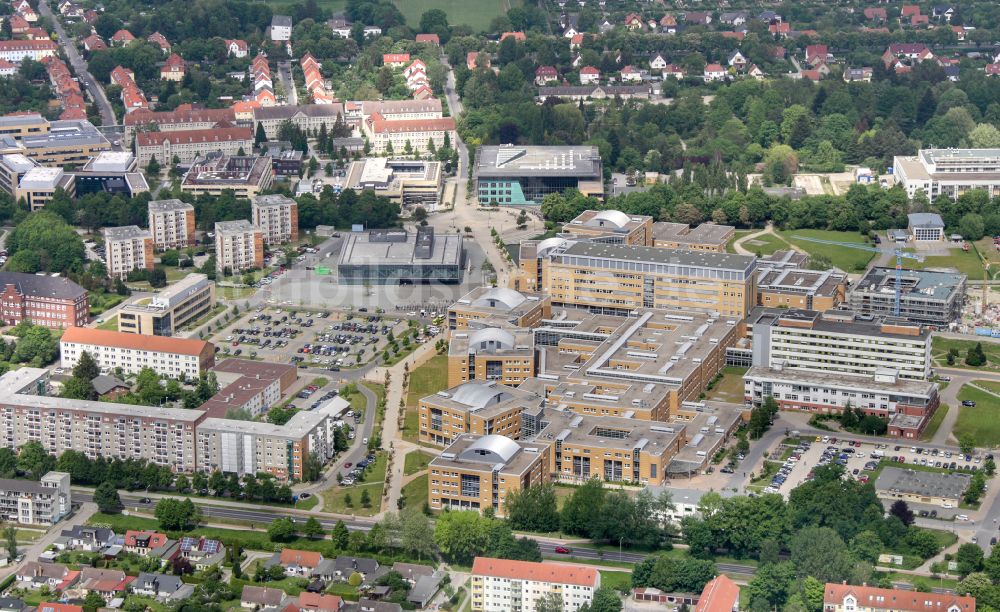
249 447
394 135
277 216
45 502
239 246
127 248
949 172
166 356
171 222
164 436
281 28
500 585
840 343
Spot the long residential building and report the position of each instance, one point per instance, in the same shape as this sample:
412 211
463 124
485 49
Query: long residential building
838 342
17 51
949 172
840 597
49 301
618 279
277 216
249 386
45 502
126 249
171 222
184 117
171 357
168 311
164 436
309 117
501 585
239 246
187 145
394 136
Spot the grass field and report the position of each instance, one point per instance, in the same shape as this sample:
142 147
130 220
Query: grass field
425 380
110 324
845 258
729 388
966 262
941 346
935 423
476 14
736 236
416 461
619 581
415 492
765 245
981 423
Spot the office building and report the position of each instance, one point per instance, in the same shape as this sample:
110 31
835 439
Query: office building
239 246
277 216
245 176
619 279
395 256
838 597
430 108
407 182
949 172
49 301
39 185
188 145
165 313
251 387
498 307
13 166
45 502
308 117
113 172
476 407
388 136
170 357
164 436
612 227
839 342
171 222
250 447
70 142
127 248
23 124
704 237
286 163
787 286
927 297
184 117
500 585
513 175
491 353
477 472
907 405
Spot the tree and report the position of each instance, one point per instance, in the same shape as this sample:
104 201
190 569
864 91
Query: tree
10 541
976 356
605 600
673 574
86 368
984 136
821 553
281 530
93 601
969 558
312 528
967 444
33 461
176 515
366 498
533 509
416 534
550 602
107 499
971 226
771 584
259 135
586 502
339 535
901 510
153 167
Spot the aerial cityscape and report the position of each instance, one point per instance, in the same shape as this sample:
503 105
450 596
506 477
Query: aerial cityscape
554 306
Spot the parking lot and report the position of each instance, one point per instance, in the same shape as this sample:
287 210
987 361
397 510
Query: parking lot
313 339
860 461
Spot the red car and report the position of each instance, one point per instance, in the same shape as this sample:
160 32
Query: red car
348 464
562 550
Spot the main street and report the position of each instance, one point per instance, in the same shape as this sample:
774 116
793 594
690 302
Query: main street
80 67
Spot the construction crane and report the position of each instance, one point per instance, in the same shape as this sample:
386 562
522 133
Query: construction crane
897 251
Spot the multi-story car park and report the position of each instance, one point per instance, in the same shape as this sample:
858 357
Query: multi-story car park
166 312
949 172
170 357
49 301
927 297
839 342
127 248
239 245
171 222
277 216
45 502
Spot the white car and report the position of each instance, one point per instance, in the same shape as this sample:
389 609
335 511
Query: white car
59 371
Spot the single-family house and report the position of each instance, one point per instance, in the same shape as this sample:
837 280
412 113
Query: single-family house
657 62
943 12
108 583
202 552
345 566
318 602
518 36
121 38
738 61
816 54
993 69
83 537
633 21
673 70
589 75
631 74
34 575
477 59
255 598
237 47
173 69
545 74
432 39
874 13
769 17
698 18
159 40
755 72
714 72
863 74
142 542
576 42
340 27
395 60
158 586
780 29
296 562
734 18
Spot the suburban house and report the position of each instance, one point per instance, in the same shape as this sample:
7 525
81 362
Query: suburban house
318 602
545 74
108 583
657 62
82 537
160 586
738 61
300 563
202 552
142 542
34 575
589 75
714 72
255 598
345 566
631 74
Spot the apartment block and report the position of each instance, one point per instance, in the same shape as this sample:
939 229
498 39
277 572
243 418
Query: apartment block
49 301
612 227
477 407
838 597
127 248
171 357
491 353
239 246
499 585
498 307
477 472
250 447
926 297
45 502
249 386
168 311
277 216
839 342
164 436
171 222
188 145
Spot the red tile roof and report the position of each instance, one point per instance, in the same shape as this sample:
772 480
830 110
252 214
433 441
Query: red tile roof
58 607
156 540
302 558
442 124
518 36
395 58
893 599
320 601
720 595
428 38
160 344
123 36
546 571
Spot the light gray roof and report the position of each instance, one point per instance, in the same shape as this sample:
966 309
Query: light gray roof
41 285
498 449
125 232
508 297
479 394
281 21
683 257
926 484
925 220
168 205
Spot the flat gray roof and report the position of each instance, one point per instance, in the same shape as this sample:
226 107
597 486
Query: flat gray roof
511 160
683 257
925 484
125 232
169 205
358 249
923 284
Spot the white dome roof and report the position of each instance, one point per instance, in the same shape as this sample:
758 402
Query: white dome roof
503 339
616 217
508 297
543 247
493 448
478 395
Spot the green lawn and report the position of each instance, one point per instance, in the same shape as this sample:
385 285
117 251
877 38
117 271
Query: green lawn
941 346
101 301
416 461
307 504
736 236
234 293
476 14
981 423
110 324
845 258
429 378
619 581
765 245
729 388
415 492
935 423
335 499
966 262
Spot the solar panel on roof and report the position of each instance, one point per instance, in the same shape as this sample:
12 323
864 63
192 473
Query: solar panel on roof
210 546
188 543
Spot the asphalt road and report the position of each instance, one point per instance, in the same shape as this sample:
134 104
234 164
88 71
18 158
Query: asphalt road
455 108
80 67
